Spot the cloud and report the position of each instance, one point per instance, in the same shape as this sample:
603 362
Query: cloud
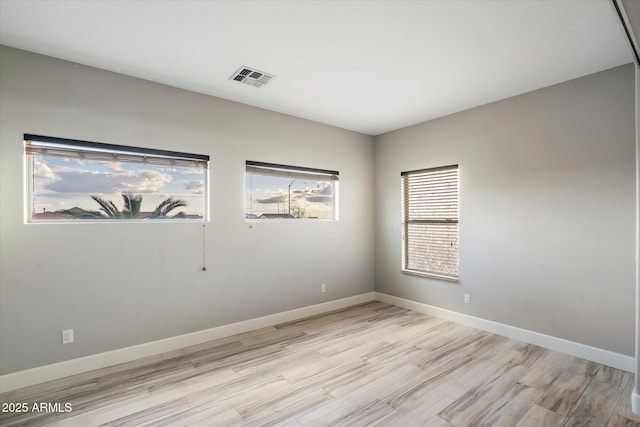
188 170
147 181
196 187
309 195
115 166
326 190
42 170
319 199
275 199
320 195
84 182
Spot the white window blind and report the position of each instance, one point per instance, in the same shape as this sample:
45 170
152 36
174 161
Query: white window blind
96 151
430 222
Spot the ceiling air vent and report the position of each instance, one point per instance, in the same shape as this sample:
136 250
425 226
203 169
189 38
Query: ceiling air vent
251 76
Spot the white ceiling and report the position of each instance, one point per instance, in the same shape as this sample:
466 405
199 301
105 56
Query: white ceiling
368 66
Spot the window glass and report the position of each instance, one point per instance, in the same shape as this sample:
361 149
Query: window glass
289 192
430 222
79 180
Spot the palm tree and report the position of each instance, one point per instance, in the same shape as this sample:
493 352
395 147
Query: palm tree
133 202
166 206
108 207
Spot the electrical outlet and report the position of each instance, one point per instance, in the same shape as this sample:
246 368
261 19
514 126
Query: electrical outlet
467 298
323 288
67 336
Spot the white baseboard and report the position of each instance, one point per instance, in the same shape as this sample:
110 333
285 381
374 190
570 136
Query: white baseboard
635 401
55 371
609 358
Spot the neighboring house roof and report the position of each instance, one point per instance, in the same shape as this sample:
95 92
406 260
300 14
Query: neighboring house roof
79 213
275 215
50 215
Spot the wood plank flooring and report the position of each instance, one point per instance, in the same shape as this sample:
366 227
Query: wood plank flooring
371 364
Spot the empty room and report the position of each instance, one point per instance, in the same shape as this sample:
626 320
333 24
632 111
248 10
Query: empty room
319 213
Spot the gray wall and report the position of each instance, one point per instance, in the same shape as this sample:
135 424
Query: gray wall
546 232
547 216
637 354
119 285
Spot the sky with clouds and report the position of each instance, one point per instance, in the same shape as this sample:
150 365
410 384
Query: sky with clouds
63 183
308 198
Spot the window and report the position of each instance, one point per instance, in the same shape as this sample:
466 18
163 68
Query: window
430 222
70 180
279 191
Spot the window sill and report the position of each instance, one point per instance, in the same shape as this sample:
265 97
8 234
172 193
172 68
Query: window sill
118 221
265 220
432 276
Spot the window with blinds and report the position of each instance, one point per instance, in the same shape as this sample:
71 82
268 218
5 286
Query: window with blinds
80 180
276 191
430 222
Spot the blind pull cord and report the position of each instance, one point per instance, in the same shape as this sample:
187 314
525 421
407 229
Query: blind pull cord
204 248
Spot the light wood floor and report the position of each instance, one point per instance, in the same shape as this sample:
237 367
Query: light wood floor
372 364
